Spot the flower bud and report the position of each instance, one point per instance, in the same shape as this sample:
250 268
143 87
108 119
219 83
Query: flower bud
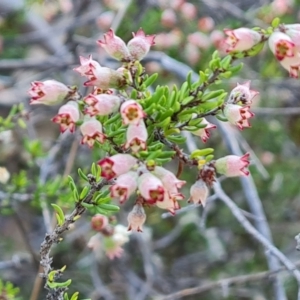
199 39
206 24
170 182
199 192
188 11
136 218
233 165
168 18
241 39
242 93
140 45
131 112
105 20
91 130
99 222
203 133
151 188
49 92
116 165
102 104
136 137
114 46
67 116
238 115
101 77
125 186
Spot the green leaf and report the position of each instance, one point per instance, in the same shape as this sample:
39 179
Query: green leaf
189 80
59 214
82 175
201 152
109 207
178 139
133 94
149 81
187 100
213 94
22 123
112 119
237 68
84 192
87 205
59 284
275 23
226 61
75 296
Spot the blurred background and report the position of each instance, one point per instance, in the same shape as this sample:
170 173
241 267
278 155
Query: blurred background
42 40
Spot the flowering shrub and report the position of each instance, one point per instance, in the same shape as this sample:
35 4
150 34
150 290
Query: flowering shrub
140 129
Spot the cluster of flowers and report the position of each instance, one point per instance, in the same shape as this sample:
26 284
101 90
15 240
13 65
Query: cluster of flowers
284 42
102 101
153 185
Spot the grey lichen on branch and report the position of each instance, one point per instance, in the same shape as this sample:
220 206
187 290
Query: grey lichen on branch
56 236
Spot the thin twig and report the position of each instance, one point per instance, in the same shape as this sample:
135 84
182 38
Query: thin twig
254 233
241 279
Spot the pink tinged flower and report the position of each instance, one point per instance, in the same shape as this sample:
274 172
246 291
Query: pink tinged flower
131 112
188 10
242 93
136 137
105 20
170 182
114 46
91 130
87 65
199 39
168 18
99 222
101 77
292 64
293 31
125 186
281 45
151 188
67 116
102 104
199 192
169 203
116 165
49 92
112 249
192 54
140 45
238 115
241 39
233 165
206 24
136 218
204 133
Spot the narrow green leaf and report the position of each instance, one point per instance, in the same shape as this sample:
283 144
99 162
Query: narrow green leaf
87 205
109 207
82 175
84 192
150 80
59 214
